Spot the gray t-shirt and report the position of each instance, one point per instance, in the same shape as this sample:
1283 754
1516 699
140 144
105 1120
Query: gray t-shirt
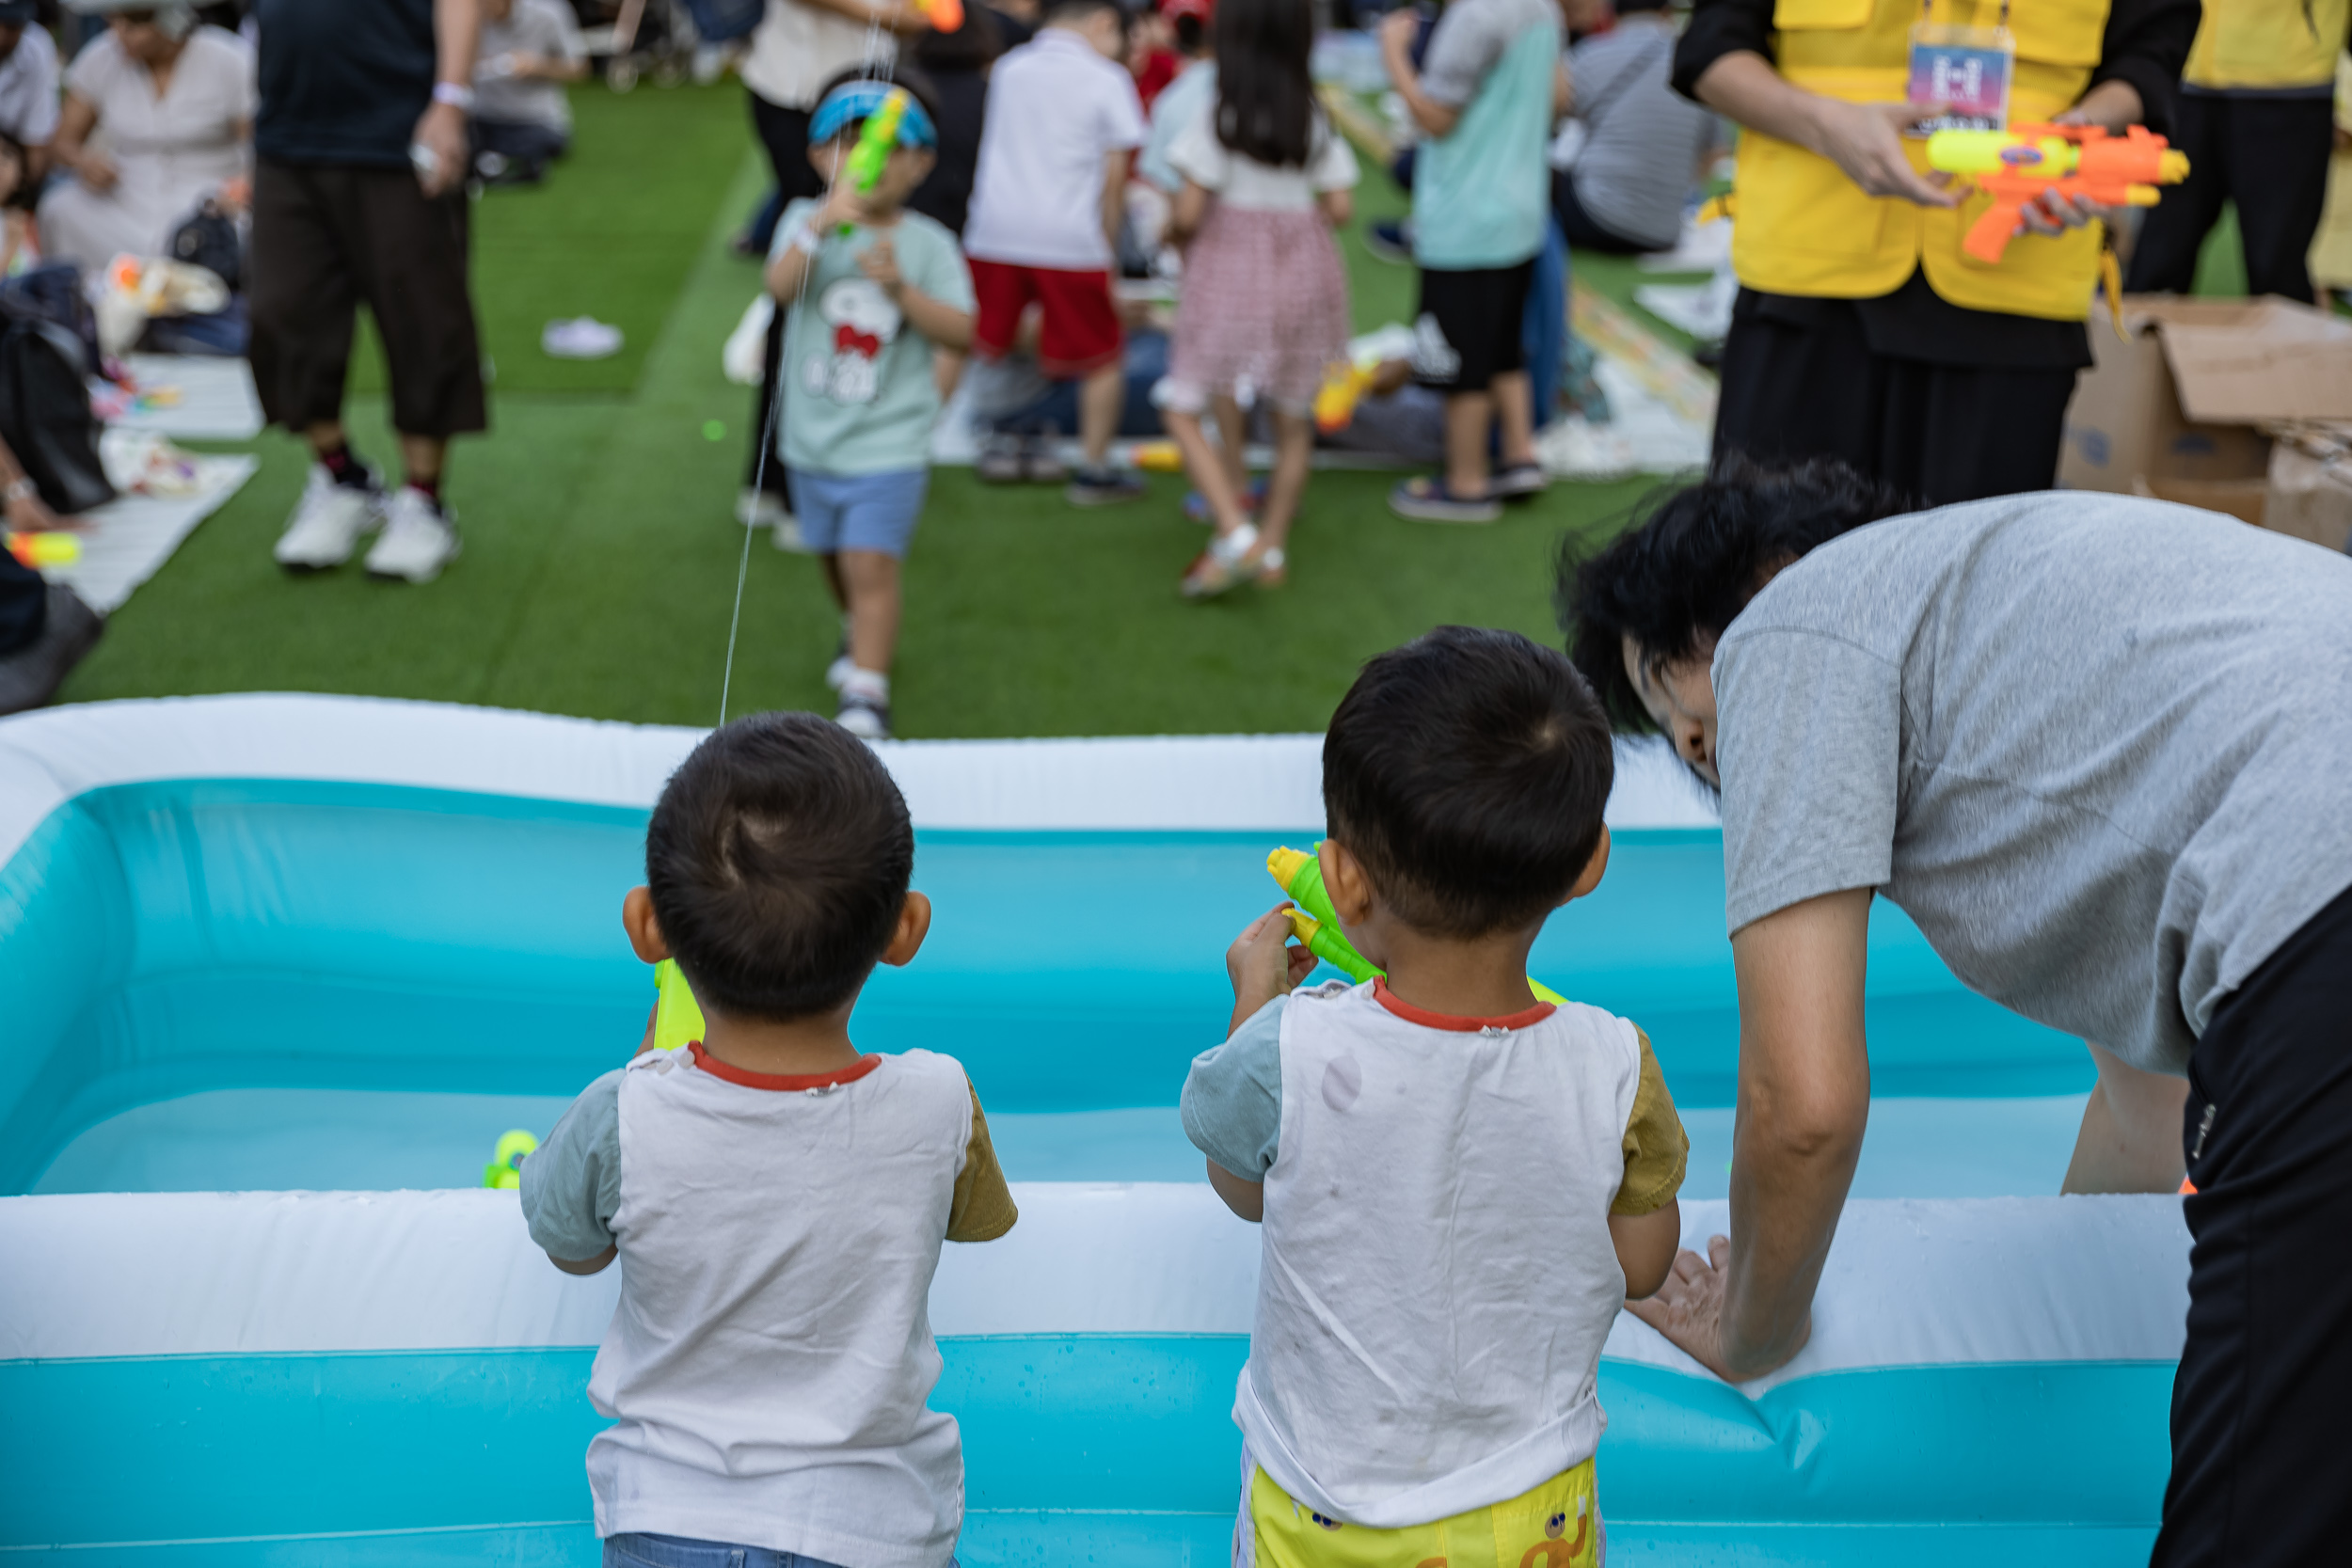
2100 749
1643 139
543 27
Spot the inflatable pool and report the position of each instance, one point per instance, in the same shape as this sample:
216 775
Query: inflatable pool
280 970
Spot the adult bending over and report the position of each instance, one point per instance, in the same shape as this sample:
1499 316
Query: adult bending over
2100 750
158 115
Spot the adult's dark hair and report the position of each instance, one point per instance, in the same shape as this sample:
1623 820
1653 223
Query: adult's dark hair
970 47
1078 11
778 859
1191 31
1466 771
1265 99
917 84
1694 559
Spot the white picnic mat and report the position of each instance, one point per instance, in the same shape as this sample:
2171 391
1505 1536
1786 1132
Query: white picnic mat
126 541
190 398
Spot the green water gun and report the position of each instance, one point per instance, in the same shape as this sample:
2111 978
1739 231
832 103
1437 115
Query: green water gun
677 1017
1300 874
505 1169
874 141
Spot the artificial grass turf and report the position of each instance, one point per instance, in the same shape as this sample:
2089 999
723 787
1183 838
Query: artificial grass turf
601 559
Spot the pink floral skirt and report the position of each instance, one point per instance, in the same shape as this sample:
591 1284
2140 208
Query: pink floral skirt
1264 303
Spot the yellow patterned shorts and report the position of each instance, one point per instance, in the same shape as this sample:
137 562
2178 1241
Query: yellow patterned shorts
1557 1524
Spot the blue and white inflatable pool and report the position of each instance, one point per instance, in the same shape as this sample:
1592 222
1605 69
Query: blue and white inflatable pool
278 970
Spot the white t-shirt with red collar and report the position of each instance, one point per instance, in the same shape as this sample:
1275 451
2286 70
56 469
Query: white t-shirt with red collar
768 1365
1437 1274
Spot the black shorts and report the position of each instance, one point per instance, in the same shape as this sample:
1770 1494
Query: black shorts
325 238
1473 326
2261 1472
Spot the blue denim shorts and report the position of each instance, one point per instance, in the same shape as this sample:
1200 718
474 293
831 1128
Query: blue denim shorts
859 512
675 1551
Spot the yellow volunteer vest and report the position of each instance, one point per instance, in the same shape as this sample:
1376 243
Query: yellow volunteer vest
1802 227
2266 44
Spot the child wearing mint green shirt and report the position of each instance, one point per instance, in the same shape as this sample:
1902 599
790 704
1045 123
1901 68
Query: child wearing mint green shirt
871 290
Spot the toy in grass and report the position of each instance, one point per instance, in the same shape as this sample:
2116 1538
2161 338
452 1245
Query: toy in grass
1315 924
505 1169
45 548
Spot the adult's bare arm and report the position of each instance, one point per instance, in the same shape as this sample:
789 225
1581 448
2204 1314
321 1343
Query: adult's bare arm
1863 139
441 128
1804 1098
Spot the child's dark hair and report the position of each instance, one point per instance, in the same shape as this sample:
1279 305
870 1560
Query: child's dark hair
1694 559
1265 96
917 84
1468 771
778 859
1191 31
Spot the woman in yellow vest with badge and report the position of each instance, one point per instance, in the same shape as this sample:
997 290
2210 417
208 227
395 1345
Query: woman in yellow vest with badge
2257 120
1863 331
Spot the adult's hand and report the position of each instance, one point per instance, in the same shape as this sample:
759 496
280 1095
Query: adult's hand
441 131
1804 1098
1866 140
28 513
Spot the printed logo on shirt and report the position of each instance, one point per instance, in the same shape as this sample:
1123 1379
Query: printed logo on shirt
859 319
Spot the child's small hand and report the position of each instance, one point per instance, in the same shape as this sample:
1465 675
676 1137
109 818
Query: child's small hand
1264 964
842 205
880 264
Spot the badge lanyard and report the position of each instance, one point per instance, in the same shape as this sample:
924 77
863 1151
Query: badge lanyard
1966 69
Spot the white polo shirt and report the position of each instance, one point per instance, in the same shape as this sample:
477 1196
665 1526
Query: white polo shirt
1055 108
29 90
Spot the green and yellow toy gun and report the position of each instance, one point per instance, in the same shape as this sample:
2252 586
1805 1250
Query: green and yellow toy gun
875 139
2084 162
676 1016
505 1169
1300 875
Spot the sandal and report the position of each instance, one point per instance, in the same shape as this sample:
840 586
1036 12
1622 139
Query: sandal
1428 500
1229 561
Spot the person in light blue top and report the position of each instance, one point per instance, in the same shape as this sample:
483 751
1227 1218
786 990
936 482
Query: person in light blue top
871 293
1180 103
1486 96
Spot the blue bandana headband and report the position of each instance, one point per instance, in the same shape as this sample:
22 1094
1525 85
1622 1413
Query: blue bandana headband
857 100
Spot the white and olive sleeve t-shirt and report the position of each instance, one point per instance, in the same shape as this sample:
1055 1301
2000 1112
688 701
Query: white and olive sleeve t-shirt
768 1366
1437 1274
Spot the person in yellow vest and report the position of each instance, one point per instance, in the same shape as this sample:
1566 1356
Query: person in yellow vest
2257 120
1861 332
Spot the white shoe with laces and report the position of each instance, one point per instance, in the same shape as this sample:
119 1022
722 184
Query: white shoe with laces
418 539
328 521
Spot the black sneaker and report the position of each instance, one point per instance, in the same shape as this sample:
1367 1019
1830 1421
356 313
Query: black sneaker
1103 487
1389 240
30 676
864 717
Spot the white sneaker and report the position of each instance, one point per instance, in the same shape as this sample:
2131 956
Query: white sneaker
327 522
418 539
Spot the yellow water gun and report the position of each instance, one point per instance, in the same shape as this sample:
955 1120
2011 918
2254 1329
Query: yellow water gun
1344 384
1300 875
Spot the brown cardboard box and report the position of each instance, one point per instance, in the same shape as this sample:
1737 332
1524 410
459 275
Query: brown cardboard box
2244 499
2309 491
2181 400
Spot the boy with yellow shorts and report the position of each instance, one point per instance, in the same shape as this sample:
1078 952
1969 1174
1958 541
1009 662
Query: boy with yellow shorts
1459 1184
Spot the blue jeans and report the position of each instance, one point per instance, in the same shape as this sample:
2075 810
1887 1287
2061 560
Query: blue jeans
672 1551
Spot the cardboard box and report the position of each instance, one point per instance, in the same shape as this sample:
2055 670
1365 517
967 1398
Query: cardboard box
2309 491
2183 397
2247 499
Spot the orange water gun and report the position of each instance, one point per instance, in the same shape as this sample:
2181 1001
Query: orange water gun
945 16
2084 162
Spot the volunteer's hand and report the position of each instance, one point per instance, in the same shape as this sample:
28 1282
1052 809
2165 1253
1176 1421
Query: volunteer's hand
1689 1310
441 131
1264 964
2053 213
881 265
1866 140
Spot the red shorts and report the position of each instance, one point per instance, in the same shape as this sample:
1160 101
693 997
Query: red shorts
1079 334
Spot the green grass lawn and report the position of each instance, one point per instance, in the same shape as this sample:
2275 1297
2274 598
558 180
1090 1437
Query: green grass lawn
602 557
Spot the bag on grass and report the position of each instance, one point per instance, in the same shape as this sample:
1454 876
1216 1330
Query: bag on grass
45 413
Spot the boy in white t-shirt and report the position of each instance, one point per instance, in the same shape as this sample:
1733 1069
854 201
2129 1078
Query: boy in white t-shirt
1047 199
1460 1184
776 1198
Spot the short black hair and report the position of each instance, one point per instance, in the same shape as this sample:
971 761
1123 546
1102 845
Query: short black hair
1468 771
917 84
778 859
1073 11
1691 561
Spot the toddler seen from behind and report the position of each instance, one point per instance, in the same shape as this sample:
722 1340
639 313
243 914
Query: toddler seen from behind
1459 1184
1265 300
776 1198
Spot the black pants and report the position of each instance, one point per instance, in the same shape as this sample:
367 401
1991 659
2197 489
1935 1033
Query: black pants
1941 434
2262 1467
2268 154
785 133
326 237
527 146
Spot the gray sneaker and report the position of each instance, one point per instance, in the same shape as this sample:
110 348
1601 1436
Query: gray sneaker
328 522
418 539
